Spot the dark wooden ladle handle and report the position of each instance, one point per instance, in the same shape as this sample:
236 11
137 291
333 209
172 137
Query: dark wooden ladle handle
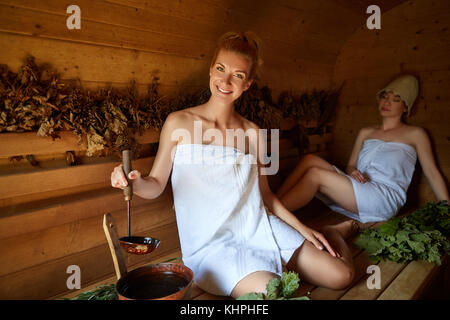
126 161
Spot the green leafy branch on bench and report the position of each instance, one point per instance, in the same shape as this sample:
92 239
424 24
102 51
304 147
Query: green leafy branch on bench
103 292
278 289
422 235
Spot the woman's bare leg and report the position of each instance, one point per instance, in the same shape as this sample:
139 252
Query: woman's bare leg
349 227
313 265
254 282
346 228
307 161
318 267
334 185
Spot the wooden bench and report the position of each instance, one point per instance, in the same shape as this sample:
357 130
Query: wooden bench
413 280
51 217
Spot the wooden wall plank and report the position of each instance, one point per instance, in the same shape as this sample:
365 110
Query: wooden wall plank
190 10
13 144
96 63
49 213
200 34
256 17
46 25
7 204
305 66
47 180
131 17
38 247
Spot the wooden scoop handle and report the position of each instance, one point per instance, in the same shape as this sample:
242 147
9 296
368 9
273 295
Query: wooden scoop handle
126 160
109 226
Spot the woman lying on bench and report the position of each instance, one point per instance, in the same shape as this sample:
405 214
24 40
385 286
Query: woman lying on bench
379 170
227 238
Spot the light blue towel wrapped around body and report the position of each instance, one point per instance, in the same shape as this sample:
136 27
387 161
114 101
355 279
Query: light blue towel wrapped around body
225 231
389 167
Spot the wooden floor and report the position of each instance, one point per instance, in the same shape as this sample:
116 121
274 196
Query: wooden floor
413 280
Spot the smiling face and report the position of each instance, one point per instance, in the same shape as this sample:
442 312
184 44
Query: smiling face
391 105
229 76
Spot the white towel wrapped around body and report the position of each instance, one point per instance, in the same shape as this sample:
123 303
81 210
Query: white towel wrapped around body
389 167
224 229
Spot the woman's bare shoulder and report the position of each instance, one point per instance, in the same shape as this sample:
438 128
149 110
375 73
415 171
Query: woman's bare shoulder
366 132
417 134
183 116
415 129
245 123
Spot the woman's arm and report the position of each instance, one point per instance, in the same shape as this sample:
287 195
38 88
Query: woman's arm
275 206
153 185
352 161
426 159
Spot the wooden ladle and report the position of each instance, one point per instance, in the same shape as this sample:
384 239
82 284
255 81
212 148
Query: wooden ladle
148 276
109 226
133 244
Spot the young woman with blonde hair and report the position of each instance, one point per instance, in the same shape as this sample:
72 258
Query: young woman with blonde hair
229 240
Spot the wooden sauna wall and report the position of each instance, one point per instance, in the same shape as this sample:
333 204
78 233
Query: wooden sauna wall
414 38
51 216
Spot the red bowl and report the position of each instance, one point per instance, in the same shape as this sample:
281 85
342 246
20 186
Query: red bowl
161 281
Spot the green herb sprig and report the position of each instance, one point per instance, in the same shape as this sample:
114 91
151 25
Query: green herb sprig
278 289
103 292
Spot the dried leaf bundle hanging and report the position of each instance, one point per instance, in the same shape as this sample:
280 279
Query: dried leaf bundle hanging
31 99
34 99
306 106
257 106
